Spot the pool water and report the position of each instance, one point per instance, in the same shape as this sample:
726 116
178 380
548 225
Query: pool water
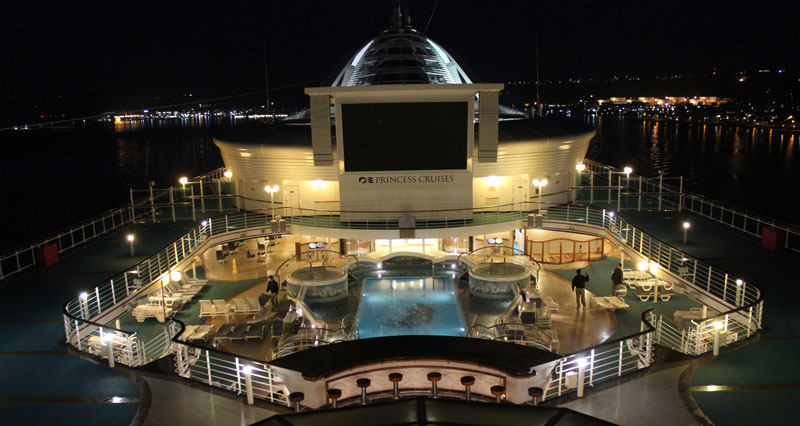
409 306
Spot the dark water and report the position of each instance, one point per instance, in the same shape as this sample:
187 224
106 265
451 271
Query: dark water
753 169
54 179
57 178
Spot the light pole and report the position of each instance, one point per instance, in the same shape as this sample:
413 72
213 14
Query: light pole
628 170
271 190
183 181
540 184
580 167
131 237
686 226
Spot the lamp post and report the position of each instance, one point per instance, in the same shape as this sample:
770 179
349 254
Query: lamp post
271 190
717 328
540 183
581 376
686 226
183 181
628 170
580 167
130 238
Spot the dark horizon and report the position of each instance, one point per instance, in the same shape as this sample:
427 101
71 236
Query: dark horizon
92 57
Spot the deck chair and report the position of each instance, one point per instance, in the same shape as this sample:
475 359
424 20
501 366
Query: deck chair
202 333
206 308
188 331
239 306
239 331
224 332
220 308
221 257
257 330
248 254
601 304
262 249
253 306
617 302
191 283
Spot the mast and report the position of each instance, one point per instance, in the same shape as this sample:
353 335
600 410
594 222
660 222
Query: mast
266 76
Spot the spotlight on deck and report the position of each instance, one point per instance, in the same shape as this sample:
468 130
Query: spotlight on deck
580 167
183 180
228 173
130 239
643 265
84 295
175 275
628 170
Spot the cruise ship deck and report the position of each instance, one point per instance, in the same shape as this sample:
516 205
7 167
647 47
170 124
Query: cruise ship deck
753 375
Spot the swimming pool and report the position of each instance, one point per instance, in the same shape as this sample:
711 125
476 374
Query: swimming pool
409 306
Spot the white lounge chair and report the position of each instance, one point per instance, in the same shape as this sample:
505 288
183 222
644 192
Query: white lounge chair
239 306
206 308
618 302
220 308
253 307
600 303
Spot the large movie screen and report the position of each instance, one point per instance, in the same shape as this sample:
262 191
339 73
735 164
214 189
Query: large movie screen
405 136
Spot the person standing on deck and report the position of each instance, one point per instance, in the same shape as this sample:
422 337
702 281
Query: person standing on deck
579 287
272 290
616 278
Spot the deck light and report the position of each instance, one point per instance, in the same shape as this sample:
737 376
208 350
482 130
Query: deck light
610 214
739 282
175 275
580 167
643 265
130 240
628 170
540 183
84 295
686 226
581 376
248 383
271 190
228 173
183 181
379 265
717 328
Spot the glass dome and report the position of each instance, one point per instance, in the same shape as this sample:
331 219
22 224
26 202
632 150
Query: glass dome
401 55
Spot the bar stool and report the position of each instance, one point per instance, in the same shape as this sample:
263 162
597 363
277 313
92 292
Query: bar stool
498 392
434 378
333 395
296 398
468 381
363 384
536 394
395 378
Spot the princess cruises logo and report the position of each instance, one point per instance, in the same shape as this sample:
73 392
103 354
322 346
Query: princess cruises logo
364 179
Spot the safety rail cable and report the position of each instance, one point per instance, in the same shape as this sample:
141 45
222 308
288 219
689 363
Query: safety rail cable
749 222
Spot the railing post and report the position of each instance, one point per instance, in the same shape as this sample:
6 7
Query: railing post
191 193
172 203
133 209
97 296
680 199
113 294
219 193
202 199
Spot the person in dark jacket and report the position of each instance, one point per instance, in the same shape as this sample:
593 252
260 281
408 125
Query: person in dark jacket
272 290
616 278
579 287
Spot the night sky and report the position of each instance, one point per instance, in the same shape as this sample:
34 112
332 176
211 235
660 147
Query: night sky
103 56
